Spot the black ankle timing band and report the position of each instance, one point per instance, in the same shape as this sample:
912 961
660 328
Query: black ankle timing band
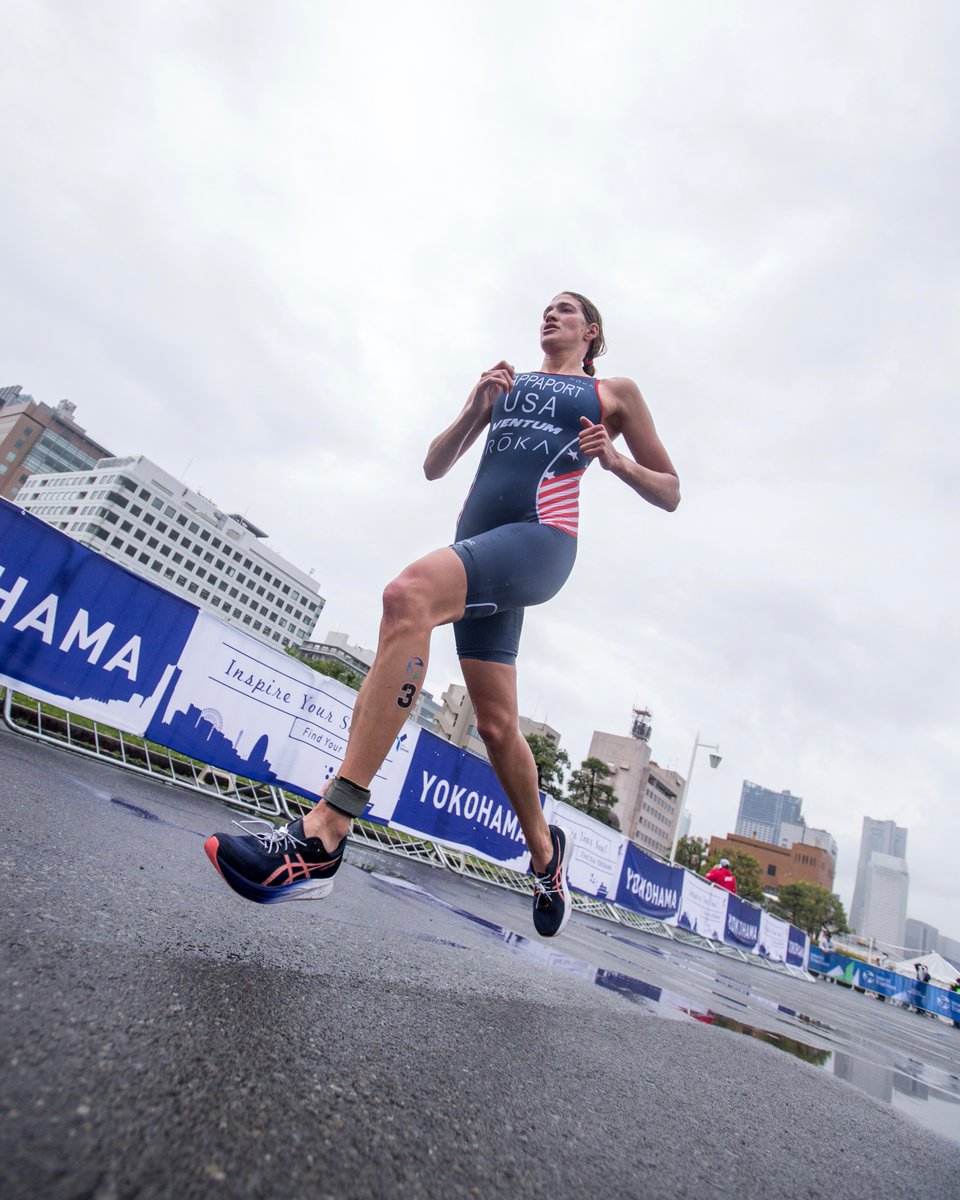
346 797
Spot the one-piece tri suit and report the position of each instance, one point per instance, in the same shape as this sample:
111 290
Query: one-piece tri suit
517 533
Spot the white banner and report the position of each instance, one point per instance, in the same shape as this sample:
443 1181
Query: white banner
598 859
774 936
703 907
236 701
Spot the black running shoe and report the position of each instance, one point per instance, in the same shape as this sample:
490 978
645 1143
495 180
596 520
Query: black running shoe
274 864
551 891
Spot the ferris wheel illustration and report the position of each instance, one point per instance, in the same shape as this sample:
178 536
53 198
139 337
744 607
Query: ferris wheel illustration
213 717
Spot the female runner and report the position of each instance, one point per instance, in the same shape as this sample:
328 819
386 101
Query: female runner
515 546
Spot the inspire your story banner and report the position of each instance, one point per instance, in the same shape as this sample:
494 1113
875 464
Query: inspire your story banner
87 634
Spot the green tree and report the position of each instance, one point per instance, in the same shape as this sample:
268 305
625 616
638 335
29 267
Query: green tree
811 908
333 670
551 762
746 870
692 853
588 792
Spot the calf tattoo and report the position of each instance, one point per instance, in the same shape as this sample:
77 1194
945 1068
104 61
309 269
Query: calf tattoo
409 690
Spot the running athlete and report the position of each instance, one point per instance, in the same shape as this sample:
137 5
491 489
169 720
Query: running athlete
516 541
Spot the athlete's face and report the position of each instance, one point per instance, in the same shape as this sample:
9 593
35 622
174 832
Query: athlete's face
564 327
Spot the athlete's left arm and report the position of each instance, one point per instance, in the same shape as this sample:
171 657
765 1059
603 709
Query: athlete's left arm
649 472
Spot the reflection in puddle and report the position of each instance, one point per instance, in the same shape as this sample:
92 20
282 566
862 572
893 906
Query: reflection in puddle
930 1096
798 1049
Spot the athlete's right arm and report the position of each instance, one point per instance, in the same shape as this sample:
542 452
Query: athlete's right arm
474 417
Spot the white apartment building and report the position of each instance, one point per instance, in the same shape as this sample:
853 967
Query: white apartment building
132 511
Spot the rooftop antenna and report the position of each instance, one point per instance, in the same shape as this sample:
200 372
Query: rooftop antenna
642 724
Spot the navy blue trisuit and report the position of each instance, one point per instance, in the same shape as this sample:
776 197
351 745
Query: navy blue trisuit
517 533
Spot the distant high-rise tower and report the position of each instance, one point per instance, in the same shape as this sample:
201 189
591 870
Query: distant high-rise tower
762 812
879 907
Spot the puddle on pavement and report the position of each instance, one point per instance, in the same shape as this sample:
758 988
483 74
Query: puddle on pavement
931 1097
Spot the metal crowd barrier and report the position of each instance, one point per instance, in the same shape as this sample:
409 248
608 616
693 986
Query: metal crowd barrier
25 715
60 727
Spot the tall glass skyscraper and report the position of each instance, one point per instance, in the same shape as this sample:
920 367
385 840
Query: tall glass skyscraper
879 908
762 812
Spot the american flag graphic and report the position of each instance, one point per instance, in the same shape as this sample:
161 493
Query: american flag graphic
558 501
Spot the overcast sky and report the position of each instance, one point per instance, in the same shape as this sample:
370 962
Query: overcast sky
273 246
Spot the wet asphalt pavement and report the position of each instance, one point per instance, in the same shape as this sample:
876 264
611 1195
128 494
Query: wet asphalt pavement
409 1036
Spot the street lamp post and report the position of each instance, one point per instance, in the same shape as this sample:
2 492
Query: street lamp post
715 761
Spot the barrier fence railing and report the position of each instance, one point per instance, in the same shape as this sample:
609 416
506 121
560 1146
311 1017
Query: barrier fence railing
58 726
26 715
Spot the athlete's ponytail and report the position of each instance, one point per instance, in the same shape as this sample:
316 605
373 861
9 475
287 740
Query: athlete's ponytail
592 315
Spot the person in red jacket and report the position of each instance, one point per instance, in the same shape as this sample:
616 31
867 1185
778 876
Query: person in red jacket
722 875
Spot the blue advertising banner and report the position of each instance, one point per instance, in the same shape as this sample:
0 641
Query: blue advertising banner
902 988
649 887
797 947
86 633
742 925
455 798
77 627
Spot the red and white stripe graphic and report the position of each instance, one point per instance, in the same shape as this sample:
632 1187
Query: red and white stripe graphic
558 501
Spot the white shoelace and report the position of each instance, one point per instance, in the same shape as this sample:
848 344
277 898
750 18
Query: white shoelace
273 839
541 886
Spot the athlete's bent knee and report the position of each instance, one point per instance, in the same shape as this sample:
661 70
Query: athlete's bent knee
402 600
496 731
